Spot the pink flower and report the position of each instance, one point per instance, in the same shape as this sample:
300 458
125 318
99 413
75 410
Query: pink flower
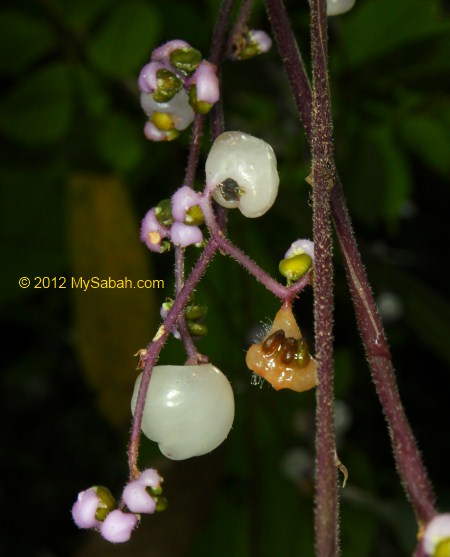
137 499
207 82
182 200
147 81
117 526
84 509
150 478
184 235
153 232
163 52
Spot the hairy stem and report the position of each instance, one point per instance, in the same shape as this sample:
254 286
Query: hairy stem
407 457
155 346
408 460
186 338
285 293
326 497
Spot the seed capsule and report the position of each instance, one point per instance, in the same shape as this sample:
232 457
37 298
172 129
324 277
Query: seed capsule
283 358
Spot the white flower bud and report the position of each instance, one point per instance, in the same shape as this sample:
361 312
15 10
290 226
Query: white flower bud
189 410
338 7
248 163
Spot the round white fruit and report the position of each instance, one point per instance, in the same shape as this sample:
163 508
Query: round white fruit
337 7
249 162
189 410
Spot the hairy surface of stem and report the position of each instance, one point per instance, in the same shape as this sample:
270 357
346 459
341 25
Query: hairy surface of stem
326 497
408 460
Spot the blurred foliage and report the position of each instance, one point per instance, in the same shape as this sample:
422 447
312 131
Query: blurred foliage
77 175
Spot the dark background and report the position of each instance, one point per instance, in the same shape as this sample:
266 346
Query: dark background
77 175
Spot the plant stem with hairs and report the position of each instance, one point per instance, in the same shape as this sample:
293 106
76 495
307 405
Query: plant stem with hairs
408 460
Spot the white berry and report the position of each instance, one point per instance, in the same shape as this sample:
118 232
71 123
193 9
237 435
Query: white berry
189 410
249 164
337 7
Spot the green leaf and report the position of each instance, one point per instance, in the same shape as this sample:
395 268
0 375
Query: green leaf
125 40
23 40
377 175
91 91
429 139
427 312
81 13
38 109
120 143
379 27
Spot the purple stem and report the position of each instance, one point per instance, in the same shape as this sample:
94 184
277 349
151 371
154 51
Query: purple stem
408 460
285 293
240 27
155 346
326 496
407 457
185 335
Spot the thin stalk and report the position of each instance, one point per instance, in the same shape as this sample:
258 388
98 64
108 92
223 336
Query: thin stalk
284 293
185 335
407 456
326 496
155 346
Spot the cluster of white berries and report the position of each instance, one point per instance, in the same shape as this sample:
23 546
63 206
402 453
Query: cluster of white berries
189 410
174 85
96 508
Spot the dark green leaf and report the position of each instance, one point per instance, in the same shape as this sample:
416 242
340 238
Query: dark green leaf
429 139
23 40
38 109
120 143
125 40
378 27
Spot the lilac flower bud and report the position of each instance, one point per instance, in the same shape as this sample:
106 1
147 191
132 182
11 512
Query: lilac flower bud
150 478
153 232
182 200
117 526
137 499
162 53
147 81
437 532
184 235
207 82
84 509
261 40
300 246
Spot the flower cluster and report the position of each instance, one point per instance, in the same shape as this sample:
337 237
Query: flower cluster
176 84
175 221
96 508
